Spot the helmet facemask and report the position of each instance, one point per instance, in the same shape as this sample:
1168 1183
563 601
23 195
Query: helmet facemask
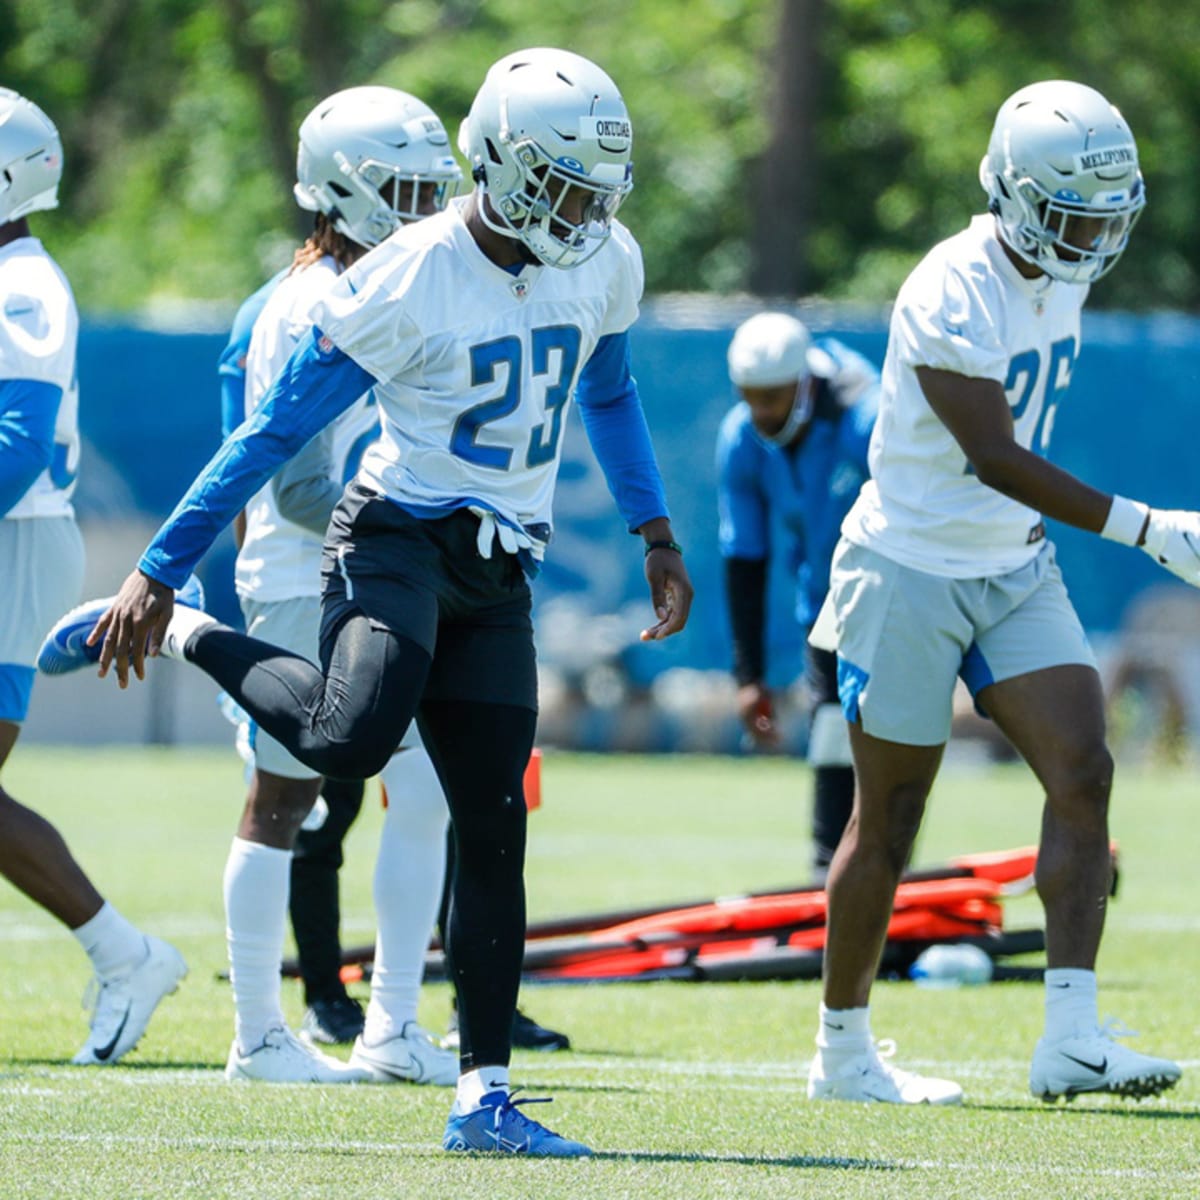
372 159
549 141
387 196
1045 229
1062 179
539 213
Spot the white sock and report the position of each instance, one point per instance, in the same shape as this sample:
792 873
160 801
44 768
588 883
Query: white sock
1071 1007
407 889
474 1085
843 1032
183 623
111 942
256 897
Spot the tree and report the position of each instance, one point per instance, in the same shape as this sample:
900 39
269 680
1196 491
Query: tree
815 146
783 201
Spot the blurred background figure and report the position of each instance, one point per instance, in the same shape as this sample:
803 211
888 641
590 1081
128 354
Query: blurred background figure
369 160
41 564
791 456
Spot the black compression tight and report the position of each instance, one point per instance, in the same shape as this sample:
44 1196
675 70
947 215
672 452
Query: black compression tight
343 719
346 720
833 802
480 752
314 899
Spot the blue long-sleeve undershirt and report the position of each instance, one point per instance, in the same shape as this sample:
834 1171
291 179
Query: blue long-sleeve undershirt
314 387
28 411
616 428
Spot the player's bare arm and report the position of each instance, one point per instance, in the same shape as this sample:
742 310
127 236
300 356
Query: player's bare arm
133 626
976 413
670 586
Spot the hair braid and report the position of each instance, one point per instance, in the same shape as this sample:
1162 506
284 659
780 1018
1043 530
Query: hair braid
326 240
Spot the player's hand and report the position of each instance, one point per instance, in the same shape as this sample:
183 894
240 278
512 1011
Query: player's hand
756 710
1172 539
133 626
671 593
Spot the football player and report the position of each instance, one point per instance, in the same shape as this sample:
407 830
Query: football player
41 562
944 569
792 452
369 159
475 328
283 527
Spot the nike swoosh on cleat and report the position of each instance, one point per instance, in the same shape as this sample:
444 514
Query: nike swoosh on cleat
415 1074
104 1053
1088 1066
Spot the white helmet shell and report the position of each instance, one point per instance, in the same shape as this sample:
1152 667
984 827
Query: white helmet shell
1059 153
31 158
355 144
547 124
769 350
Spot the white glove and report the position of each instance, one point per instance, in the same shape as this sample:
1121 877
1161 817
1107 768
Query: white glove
512 540
1173 541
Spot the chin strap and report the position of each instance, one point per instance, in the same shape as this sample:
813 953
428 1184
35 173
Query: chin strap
801 414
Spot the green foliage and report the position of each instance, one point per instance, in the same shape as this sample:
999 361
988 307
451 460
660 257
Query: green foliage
178 118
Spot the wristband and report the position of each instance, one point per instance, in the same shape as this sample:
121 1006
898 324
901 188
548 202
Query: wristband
664 546
1125 522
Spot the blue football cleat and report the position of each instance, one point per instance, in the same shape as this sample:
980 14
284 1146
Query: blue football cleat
499 1127
65 647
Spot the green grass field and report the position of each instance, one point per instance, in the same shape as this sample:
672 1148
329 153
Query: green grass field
686 1090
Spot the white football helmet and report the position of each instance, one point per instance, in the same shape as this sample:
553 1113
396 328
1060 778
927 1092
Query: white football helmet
358 147
770 350
1059 153
31 158
545 125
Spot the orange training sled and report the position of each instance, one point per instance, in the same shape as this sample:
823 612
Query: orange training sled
775 934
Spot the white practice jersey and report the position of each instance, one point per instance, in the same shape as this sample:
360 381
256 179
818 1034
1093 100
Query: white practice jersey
280 560
965 309
39 328
475 366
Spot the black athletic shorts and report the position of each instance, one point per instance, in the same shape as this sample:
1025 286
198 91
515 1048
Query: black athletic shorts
820 675
426 580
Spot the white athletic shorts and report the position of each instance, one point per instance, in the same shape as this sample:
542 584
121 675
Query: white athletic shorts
41 564
292 625
904 636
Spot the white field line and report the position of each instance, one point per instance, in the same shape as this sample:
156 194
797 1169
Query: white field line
144 1142
1153 922
32 1081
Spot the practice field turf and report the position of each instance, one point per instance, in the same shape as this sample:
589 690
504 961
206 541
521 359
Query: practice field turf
685 1090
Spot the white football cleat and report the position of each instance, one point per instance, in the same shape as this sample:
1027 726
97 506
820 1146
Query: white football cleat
282 1057
1097 1063
868 1079
411 1057
123 1005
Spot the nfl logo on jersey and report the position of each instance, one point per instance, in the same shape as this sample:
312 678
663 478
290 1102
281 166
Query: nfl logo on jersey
520 288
